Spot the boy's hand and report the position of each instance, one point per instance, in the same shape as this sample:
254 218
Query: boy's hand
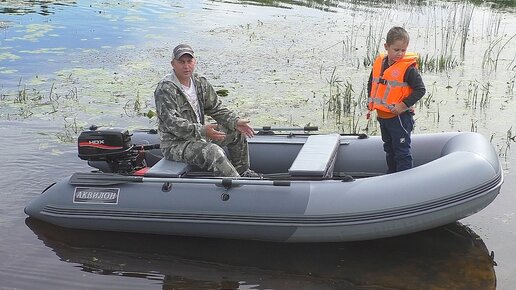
399 108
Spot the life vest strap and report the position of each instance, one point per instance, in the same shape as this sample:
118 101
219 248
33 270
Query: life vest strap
389 83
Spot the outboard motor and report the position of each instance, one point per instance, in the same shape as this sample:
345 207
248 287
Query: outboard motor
112 146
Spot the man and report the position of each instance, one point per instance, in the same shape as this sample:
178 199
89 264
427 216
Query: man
183 98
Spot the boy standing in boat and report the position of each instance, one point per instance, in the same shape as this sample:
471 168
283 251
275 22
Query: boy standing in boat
182 100
394 86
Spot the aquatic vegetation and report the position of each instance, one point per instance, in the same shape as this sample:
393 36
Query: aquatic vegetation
344 106
510 86
4 24
22 94
374 39
509 138
464 23
8 56
439 63
293 67
71 130
35 31
223 92
52 50
338 100
492 53
472 99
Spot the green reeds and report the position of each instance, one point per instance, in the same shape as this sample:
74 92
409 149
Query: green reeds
71 129
21 96
493 51
374 39
134 107
339 100
51 100
465 21
510 86
429 98
477 95
509 138
353 124
452 31
341 105
493 25
438 63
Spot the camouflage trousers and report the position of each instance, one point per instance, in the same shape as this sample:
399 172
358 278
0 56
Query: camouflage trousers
209 155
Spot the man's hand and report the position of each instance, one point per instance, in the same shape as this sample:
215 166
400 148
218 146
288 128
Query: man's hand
213 134
244 127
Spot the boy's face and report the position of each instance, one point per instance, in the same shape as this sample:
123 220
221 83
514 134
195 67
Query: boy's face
396 50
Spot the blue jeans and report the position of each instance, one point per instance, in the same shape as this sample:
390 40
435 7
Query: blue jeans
396 141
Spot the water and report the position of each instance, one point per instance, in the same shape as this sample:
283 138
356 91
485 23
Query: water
68 64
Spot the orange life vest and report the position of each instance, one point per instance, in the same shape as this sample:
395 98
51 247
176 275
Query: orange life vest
389 88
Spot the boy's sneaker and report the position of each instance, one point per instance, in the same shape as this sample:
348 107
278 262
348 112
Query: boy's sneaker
250 173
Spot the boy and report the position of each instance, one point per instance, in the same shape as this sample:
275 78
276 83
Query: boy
394 86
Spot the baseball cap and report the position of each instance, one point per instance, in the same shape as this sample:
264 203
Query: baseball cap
183 49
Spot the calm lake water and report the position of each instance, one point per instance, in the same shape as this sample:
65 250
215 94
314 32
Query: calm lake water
65 65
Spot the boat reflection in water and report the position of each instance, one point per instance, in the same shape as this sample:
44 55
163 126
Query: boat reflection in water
449 257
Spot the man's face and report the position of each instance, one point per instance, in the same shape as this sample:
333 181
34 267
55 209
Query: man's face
184 66
396 50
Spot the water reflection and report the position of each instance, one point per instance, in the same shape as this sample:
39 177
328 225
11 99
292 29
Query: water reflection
450 257
329 5
21 7
45 8
324 5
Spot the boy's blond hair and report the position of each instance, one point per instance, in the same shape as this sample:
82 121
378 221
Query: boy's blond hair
397 33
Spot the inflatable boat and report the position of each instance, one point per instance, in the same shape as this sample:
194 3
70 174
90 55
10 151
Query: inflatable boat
314 188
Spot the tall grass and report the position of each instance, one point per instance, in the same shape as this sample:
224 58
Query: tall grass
374 39
477 95
493 51
339 100
465 21
451 30
438 63
342 105
493 25
510 86
21 96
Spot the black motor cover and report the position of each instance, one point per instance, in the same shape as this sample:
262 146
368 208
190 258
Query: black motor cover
104 144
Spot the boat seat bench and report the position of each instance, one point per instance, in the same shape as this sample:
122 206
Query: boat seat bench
168 168
317 157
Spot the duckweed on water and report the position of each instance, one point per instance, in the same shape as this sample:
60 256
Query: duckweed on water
52 50
36 31
275 67
8 56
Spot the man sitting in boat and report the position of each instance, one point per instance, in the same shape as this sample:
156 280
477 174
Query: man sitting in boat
183 98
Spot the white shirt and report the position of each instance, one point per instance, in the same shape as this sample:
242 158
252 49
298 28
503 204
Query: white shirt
192 98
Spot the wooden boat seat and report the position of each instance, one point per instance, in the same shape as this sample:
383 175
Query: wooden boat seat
168 168
317 157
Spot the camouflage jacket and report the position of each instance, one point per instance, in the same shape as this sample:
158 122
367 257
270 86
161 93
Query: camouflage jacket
177 120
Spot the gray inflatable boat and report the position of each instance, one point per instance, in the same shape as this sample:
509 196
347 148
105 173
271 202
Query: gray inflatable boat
315 188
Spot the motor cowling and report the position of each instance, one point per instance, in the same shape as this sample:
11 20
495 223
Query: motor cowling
104 144
110 150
